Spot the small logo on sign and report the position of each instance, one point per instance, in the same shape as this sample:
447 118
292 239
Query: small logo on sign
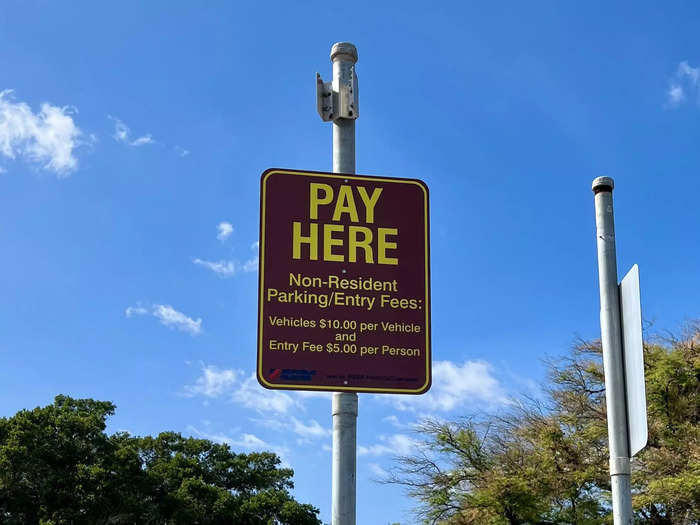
291 374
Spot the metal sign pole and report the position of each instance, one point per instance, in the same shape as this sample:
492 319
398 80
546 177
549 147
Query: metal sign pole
611 337
344 411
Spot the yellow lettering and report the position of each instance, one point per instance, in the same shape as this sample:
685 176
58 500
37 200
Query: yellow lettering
315 200
370 202
384 245
329 242
298 239
354 243
345 204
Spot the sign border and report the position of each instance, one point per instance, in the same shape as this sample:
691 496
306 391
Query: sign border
261 272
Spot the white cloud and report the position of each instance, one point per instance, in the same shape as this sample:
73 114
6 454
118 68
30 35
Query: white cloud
225 229
226 384
251 265
377 470
228 268
2 170
686 81
314 394
454 386
213 382
122 134
182 152
312 430
691 73
171 318
675 94
255 246
146 139
221 268
396 444
168 316
245 441
251 395
251 441
394 421
135 310
306 431
47 138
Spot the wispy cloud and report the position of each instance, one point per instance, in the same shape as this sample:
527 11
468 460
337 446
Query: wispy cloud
122 133
312 429
394 421
251 395
251 265
377 470
47 138
224 229
230 384
213 382
168 316
182 152
675 95
221 268
135 310
245 441
455 386
685 83
396 444
313 394
306 431
230 267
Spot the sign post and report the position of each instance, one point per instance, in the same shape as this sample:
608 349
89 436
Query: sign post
344 282
344 407
613 362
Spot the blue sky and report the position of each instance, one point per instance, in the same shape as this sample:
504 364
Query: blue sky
131 147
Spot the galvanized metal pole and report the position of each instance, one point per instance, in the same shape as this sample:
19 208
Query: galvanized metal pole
344 56
611 337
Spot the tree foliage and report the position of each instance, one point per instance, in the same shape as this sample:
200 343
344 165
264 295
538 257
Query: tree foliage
58 466
545 461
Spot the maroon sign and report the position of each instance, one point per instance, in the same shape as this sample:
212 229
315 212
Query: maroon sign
344 290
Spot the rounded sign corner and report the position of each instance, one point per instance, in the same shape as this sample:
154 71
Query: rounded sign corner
263 382
267 173
428 385
422 185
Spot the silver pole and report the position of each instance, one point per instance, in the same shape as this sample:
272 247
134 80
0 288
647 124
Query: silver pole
344 455
611 337
344 56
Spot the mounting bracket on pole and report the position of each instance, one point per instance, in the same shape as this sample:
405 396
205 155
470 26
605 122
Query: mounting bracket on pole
343 103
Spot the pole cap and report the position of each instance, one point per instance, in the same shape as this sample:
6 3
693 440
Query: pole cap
603 184
346 49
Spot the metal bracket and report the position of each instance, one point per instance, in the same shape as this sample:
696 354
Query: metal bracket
620 467
324 99
344 103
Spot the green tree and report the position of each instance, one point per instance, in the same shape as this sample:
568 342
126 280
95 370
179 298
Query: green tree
58 466
545 461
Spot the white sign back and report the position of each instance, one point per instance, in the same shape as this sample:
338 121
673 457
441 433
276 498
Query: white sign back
632 349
